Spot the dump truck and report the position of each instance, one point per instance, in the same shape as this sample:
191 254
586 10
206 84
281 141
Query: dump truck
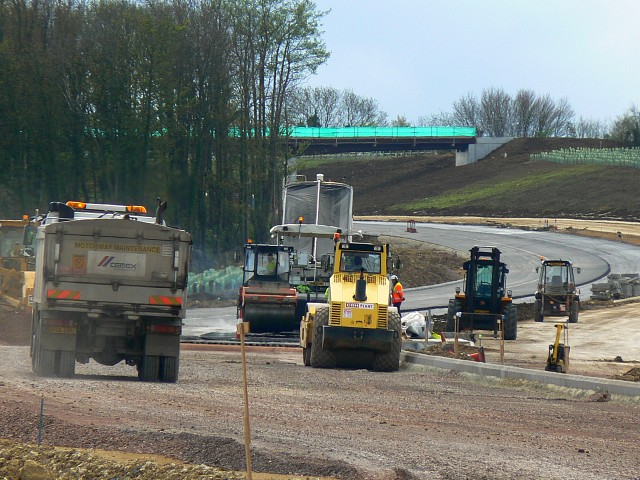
266 300
17 263
111 285
557 295
485 301
357 326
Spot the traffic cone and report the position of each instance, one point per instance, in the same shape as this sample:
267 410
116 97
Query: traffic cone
478 356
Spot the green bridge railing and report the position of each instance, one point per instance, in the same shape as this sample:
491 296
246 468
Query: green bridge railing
387 132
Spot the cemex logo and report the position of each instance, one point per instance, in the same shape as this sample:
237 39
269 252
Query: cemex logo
108 262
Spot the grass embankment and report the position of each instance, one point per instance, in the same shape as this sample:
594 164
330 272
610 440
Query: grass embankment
497 190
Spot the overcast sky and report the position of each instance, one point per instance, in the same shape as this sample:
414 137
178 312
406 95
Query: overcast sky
416 57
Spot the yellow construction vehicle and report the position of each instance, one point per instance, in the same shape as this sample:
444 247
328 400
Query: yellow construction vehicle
17 262
558 360
357 326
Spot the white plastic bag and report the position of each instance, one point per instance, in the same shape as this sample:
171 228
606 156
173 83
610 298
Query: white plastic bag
414 325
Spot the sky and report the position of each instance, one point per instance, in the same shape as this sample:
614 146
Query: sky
417 57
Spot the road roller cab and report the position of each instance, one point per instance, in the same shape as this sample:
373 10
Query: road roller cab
266 300
357 327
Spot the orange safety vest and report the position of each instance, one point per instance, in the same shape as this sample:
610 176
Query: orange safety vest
398 293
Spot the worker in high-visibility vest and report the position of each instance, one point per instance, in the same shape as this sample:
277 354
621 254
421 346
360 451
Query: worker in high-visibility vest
397 293
271 264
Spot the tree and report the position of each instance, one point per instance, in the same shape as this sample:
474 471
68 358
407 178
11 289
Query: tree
524 113
495 112
400 121
124 101
585 128
499 114
466 111
321 102
333 108
627 127
357 111
439 119
277 44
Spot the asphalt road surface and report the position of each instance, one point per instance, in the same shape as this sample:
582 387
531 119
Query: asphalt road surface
521 251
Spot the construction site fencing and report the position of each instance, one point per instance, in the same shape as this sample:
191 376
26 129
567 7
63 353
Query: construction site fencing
223 283
369 155
614 157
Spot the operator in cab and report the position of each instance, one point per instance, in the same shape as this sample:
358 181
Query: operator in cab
271 265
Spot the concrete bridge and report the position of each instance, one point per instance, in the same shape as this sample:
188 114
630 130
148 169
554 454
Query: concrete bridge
317 141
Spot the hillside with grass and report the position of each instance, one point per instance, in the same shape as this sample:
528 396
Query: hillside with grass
506 183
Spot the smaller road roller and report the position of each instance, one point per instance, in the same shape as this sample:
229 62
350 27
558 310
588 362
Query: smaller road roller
266 300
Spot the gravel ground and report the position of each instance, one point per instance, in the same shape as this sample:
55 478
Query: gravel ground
310 423
348 424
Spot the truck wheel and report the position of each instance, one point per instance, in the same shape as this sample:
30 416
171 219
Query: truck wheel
65 363
306 356
319 357
45 363
35 345
149 369
169 369
510 322
454 307
537 311
34 325
573 312
390 361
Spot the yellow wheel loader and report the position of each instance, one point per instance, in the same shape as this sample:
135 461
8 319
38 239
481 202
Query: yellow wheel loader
357 327
17 262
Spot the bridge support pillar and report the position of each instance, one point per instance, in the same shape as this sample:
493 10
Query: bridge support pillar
462 158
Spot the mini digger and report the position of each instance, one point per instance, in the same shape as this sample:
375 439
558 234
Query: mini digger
357 327
558 359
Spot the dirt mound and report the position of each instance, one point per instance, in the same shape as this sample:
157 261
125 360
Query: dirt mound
505 183
633 375
527 146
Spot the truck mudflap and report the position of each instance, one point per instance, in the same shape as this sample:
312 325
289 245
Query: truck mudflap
337 338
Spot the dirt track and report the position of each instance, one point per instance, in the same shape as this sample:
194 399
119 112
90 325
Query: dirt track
628 232
348 424
351 424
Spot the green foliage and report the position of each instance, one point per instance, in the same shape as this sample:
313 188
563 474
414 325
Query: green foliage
627 127
123 102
